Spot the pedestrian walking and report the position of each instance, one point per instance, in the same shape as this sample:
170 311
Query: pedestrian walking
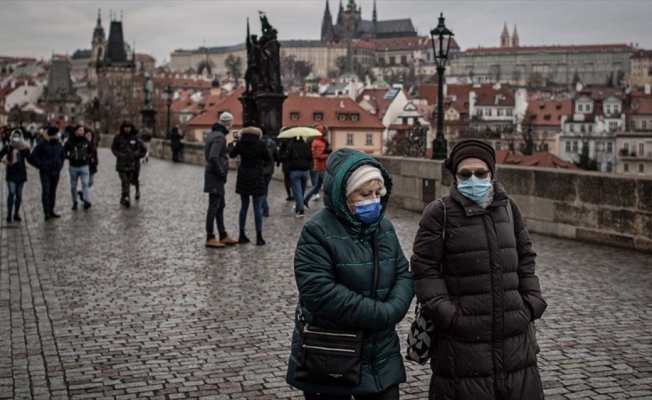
127 150
473 267
250 182
48 158
268 168
299 158
79 152
135 178
13 156
215 175
286 168
354 288
94 160
4 135
320 154
175 143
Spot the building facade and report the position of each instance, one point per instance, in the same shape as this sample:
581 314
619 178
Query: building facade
62 100
641 68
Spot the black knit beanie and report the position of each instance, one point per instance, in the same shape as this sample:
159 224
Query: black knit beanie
471 148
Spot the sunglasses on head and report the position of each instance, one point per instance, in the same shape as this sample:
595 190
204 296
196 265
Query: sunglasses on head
466 174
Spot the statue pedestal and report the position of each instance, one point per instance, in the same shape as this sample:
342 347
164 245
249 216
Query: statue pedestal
264 109
149 121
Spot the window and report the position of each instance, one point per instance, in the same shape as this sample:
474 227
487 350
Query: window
355 117
546 148
571 128
497 146
487 112
610 147
583 128
626 167
641 168
632 125
641 149
370 139
342 117
568 146
575 147
72 110
643 125
610 167
319 116
580 108
392 60
479 112
499 112
509 113
626 147
599 146
349 139
608 109
294 116
613 126
403 60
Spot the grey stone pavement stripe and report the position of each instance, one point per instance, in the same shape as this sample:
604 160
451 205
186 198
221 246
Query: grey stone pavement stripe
122 304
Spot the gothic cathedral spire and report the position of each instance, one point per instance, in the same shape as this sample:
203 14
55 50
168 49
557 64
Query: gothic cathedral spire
374 16
504 37
327 35
515 38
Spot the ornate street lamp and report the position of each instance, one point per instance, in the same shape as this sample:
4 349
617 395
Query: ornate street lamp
168 95
441 40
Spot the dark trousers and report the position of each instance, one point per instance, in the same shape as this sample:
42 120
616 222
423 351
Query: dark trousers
14 197
175 155
125 180
268 179
215 213
288 186
48 192
389 394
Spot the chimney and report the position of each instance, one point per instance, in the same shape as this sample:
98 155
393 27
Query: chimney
647 89
13 84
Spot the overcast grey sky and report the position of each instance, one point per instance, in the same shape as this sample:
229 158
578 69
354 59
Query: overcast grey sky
37 28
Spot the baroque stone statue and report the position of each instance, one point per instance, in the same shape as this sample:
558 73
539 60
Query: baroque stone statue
148 89
263 60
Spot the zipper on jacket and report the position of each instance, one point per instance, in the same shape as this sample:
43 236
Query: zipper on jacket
501 389
345 335
329 349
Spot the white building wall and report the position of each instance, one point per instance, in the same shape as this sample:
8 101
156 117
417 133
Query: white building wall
23 95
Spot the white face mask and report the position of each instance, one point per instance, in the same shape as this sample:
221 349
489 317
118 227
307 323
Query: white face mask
16 139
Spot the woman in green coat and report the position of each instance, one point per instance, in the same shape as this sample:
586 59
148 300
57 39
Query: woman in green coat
333 266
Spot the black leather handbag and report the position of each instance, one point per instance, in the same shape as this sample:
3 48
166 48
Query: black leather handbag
332 357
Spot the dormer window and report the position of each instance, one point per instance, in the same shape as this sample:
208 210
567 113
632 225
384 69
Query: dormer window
318 116
342 117
294 116
355 117
580 108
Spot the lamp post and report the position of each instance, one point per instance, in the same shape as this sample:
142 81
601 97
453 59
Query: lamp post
168 92
441 39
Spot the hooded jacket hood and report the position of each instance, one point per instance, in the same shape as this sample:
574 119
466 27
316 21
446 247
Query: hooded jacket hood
126 124
216 127
340 165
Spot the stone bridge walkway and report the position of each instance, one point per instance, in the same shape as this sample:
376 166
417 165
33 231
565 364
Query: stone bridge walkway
121 304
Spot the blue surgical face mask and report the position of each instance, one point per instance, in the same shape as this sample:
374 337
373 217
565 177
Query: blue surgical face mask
474 189
368 211
58 136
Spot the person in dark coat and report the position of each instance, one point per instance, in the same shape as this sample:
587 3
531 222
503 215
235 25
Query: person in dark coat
286 168
299 159
333 267
251 178
94 160
13 156
79 151
48 158
215 174
477 285
268 168
135 178
127 149
175 143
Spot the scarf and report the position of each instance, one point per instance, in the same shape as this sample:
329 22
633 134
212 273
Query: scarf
16 147
488 198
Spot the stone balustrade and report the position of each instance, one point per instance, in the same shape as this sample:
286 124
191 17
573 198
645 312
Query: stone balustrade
609 209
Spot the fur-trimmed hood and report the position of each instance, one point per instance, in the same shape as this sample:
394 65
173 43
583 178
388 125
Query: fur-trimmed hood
251 130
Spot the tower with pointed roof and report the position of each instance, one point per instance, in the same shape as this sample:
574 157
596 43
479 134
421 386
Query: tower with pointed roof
116 73
504 37
98 47
515 39
60 95
327 35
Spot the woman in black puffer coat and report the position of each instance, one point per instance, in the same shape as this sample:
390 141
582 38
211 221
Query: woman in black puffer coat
477 284
251 178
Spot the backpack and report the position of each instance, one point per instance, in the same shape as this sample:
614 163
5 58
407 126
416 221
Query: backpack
422 331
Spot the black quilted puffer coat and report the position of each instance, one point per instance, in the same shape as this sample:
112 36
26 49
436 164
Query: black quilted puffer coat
479 288
253 157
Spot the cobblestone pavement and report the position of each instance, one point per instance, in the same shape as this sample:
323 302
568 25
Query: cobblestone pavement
115 303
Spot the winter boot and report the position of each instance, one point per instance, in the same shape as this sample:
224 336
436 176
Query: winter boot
138 191
74 206
17 218
243 238
87 205
259 238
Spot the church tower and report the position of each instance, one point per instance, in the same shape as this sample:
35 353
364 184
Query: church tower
515 39
504 37
350 20
98 46
327 35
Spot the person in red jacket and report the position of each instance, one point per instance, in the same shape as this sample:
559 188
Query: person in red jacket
320 151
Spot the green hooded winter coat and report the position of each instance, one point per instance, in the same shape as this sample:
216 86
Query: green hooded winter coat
333 267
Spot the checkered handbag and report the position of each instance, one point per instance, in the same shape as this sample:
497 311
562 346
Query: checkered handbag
422 331
420 337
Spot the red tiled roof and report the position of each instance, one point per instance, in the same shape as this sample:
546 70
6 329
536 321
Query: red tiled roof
547 112
485 94
572 48
305 107
182 83
639 104
378 101
407 43
601 93
642 54
144 57
541 160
